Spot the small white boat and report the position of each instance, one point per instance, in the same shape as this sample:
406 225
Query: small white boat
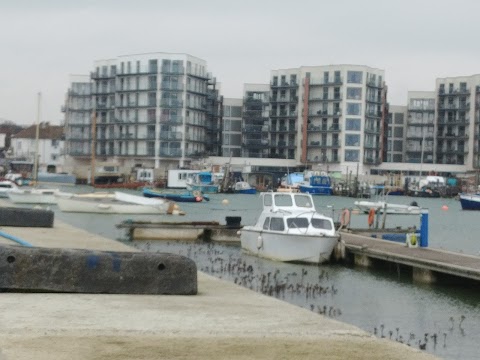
290 229
380 206
33 196
6 186
114 203
243 187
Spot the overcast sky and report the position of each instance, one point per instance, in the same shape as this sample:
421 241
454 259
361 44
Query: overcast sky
44 41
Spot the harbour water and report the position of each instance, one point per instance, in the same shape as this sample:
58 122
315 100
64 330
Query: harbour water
444 320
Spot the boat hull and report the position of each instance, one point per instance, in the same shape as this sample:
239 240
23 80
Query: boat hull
251 191
288 247
316 190
394 209
105 206
470 202
181 197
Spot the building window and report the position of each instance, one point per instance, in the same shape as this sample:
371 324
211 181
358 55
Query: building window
398 132
354 93
352 155
354 77
236 111
353 124
398 118
226 111
354 109
352 140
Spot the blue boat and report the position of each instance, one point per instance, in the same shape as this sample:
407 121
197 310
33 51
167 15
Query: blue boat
317 185
204 182
470 201
188 196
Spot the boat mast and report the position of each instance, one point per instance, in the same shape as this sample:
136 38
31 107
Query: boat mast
37 136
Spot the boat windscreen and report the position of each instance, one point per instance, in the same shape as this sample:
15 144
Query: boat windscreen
297 222
322 224
303 201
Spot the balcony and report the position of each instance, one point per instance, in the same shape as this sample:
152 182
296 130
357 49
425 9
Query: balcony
335 81
172 70
371 161
326 113
172 87
101 76
327 144
171 136
284 84
171 152
374 84
284 114
172 120
171 103
204 76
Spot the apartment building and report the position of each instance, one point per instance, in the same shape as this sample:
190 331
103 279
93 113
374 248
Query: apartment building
420 131
457 116
396 134
326 115
232 127
149 110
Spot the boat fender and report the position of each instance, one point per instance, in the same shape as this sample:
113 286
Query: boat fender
413 203
371 216
345 218
259 242
198 198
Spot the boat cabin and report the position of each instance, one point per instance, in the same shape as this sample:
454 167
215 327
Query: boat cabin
274 201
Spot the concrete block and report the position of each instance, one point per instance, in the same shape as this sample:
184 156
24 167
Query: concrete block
12 216
37 269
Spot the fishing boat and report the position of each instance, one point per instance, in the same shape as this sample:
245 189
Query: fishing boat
33 196
290 229
185 196
470 201
115 203
316 184
243 187
204 181
382 206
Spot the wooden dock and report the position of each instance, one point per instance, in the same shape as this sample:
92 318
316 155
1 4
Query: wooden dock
426 264
358 247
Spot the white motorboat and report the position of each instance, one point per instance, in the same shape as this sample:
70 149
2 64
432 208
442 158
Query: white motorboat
6 186
380 206
114 203
290 229
33 196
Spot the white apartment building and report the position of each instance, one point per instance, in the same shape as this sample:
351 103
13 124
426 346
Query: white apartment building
157 110
396 134
232 127
331 116
457 121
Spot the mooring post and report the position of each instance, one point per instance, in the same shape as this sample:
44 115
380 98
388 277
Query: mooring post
424 228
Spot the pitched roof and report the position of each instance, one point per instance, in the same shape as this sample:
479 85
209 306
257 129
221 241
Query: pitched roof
46 131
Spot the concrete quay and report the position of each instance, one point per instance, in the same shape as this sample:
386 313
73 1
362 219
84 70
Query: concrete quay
224 321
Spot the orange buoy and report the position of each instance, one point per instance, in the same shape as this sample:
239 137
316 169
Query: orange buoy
371 216
444 207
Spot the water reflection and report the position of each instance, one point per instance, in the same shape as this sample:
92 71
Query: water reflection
439 320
